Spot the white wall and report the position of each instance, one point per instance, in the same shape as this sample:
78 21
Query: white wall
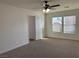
39 27
48 28
14 26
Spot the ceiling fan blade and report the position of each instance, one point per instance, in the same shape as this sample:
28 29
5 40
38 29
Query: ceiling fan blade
55 5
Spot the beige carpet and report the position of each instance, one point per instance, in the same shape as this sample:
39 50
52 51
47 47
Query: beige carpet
49 48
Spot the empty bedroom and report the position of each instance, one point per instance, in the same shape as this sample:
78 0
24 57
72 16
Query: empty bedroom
39 28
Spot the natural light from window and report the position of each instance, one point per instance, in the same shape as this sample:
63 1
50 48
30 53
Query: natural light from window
69 24
57 24
66 24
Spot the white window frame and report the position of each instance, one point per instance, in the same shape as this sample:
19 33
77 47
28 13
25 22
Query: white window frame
62 28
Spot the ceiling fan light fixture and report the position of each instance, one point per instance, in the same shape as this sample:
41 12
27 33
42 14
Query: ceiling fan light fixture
46 10
47 7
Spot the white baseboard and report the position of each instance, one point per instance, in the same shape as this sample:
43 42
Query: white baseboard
12 48
62 38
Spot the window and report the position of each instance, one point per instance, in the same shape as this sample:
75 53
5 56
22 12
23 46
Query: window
57 24
64 24
69 24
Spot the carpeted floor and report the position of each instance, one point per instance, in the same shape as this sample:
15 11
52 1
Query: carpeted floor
49 48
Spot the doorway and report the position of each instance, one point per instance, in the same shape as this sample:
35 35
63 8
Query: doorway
32 28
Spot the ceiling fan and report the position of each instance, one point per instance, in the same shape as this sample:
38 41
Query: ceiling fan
47 7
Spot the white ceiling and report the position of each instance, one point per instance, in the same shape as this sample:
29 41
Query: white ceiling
36 4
